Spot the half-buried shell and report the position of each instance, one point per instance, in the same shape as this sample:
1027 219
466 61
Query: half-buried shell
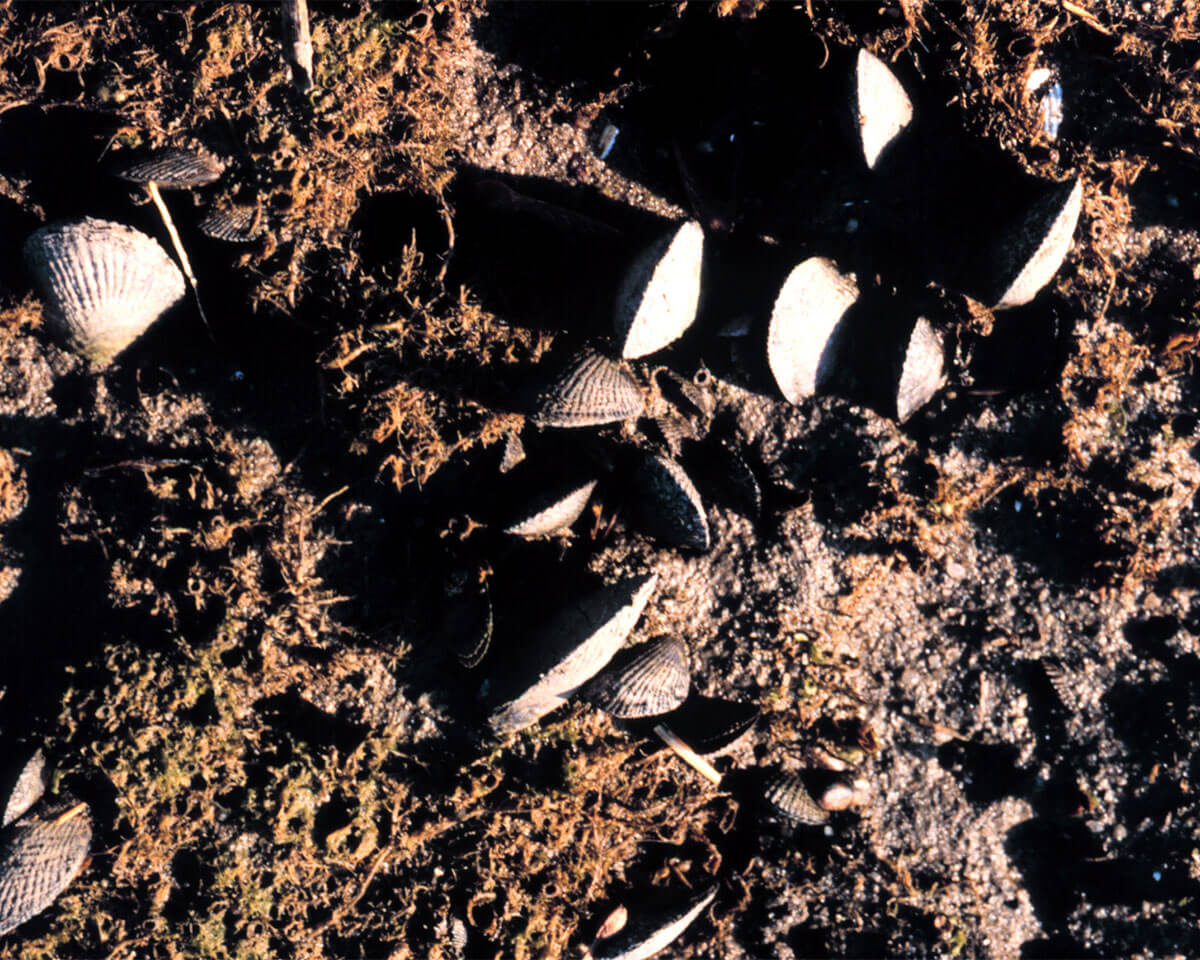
551 512
921 372
27 789
1035 248
802 336
233 224
659 296
643 681
785 795
591 390
882 108
103 284
175 168
571 649
669 506
646 932
38 860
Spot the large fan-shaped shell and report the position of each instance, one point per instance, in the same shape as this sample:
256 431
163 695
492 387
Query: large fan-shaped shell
38 861
658 299
804 322
786 796
669 504
175 167
647 932
572 649
882 108
1037 248
27 790
921 374
103 284
590 391
551 513
643 681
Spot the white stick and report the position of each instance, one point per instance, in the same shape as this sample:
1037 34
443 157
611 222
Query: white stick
152 189
298 42
687 754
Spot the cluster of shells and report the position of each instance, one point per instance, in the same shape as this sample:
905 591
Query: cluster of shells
104 283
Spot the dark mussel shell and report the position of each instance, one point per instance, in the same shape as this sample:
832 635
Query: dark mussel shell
643 681
648 931
668 505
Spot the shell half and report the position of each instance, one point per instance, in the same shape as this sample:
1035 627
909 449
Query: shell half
102 283
669 505
175 168
882 108
591 390
27 790
921 373
646 933
38 860
785 795
647 681
659 296
232 225
1039 245
551 513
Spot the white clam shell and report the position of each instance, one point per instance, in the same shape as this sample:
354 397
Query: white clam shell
882 108
658 300
103 284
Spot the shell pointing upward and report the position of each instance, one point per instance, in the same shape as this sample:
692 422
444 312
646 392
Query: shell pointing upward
921 372
103 284
38 860
658 300
591 390
669 505
650 680
1037 246
882 108
785 795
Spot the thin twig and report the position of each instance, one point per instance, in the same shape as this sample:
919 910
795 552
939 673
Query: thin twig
152 189
687 754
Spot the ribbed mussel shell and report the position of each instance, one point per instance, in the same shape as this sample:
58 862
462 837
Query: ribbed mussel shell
103 284
646 932
233 224
785 795
571 649
27 789
551 512
658 299
591 390
669 505
175 167
643 681
38 860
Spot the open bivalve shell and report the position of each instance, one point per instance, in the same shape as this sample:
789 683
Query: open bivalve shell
785 795
175 168
571 649
1033 251
669 506
647 932
27 789
658 300
38 860
643 681
551 512
882 108
802 336
102 283
591 390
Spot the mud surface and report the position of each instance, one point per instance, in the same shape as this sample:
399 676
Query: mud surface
236 567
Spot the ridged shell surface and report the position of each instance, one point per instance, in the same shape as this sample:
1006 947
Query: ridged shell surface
786 795
803 326
1047 231
102 283
39 859
646 933
28 789
921 374
232 225
658 299
590 391
175 167
573 648
547 516
649 680
669 504
882 108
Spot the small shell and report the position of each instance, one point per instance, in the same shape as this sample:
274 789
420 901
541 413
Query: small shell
175 167
551 513
785 795
1062 682
590 391
38 860
646 933
669 504
27 790
921 374
659 296
514 452
1039 244
233 225
103 284
882 108
643 681
804 324
572 648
